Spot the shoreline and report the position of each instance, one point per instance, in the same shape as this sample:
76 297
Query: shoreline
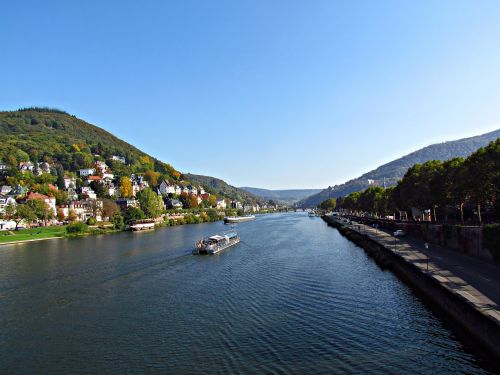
473 312
32 240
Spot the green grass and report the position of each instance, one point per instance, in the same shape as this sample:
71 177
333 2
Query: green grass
32 234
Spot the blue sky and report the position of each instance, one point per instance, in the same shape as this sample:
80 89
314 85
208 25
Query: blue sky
272 94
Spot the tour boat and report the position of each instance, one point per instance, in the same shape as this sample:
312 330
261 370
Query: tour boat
213 245
238 219
138 225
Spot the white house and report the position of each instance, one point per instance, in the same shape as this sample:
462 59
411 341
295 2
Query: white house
166 188
87 191
121 159
5 189
26 166
86 172
221 204
4 201
69 182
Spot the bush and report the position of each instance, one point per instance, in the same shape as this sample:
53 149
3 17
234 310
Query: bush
118 221
91 221
76 228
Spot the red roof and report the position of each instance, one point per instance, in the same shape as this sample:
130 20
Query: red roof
94 178
32 196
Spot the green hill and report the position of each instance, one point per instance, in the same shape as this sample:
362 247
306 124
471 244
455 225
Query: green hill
54 136
390 173
57 137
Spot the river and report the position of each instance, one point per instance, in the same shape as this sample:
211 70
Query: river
293 297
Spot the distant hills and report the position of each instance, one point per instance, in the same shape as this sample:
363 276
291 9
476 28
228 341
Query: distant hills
390 173
220 187
288 196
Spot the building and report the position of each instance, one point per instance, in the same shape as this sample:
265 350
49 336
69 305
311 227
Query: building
174 204
26 166
69 182
125 203
221 204
4 201
3 167
166 188
237 205
5 189
88 192
121 159
86 172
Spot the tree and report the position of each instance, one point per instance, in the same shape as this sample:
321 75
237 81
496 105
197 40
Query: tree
23 212
152 177
109 208
126 190
60 214
72 216
328 204
151 203
133 213
40 210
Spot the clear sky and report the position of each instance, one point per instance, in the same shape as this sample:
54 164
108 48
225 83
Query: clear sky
264 93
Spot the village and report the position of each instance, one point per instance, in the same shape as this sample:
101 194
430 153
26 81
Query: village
96 195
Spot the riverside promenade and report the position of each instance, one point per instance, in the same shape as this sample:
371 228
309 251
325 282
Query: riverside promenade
472 281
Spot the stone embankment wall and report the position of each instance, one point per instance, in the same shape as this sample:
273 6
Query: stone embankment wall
466 239
471 320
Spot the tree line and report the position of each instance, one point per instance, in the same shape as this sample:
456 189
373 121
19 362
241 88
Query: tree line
457 189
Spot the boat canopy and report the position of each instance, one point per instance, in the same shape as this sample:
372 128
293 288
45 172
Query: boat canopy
216 238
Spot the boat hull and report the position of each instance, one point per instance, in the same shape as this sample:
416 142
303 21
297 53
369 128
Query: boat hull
238 219
217 249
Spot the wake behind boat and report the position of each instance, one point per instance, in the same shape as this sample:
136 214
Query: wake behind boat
238 219
214 244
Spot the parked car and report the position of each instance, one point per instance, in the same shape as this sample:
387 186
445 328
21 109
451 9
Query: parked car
399 233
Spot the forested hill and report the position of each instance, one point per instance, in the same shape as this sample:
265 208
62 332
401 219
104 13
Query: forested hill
288 196
220 187
395 170
55 136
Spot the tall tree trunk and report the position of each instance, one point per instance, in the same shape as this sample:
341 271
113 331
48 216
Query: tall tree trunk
434 218
462 212
479 214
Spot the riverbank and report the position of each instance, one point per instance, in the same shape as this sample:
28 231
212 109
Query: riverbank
475 313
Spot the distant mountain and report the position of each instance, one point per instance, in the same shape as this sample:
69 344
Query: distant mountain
288 196
220 187
390 173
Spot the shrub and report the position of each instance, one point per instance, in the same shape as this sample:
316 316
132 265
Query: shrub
77 227
91 221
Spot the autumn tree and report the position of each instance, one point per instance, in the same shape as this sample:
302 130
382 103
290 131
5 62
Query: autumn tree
126 190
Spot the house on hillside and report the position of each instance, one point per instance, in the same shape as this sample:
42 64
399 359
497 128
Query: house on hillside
5 189
221 204
125 203
121 159
237 205
26 166
166 188
86 172
42 167
69 182
173 204
87 191
3 167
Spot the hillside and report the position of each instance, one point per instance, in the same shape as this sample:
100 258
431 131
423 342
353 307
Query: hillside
64 141
394 170
220 187
288 196
55 136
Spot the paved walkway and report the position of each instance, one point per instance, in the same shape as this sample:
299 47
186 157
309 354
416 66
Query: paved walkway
474 280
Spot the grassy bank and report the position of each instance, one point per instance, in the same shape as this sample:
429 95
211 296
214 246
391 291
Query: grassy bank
32 234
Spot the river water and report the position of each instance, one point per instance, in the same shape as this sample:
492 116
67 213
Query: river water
293 297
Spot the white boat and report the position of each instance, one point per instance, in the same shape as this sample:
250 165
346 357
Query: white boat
238 219
214 244
138 225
